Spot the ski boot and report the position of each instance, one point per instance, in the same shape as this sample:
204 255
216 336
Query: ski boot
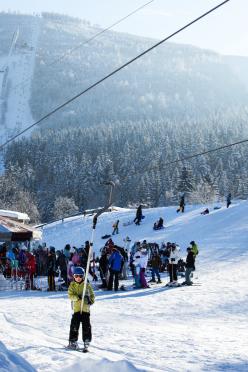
86 346
152 281
159 281
73 345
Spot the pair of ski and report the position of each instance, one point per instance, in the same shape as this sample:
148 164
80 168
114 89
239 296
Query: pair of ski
79 349
176 285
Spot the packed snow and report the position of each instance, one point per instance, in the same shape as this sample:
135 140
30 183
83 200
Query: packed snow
198 328
10 361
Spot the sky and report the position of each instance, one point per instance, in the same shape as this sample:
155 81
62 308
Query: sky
225 31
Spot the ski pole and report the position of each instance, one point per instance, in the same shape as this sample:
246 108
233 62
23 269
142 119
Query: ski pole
102 210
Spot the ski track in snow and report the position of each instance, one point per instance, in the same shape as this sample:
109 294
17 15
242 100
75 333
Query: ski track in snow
198 328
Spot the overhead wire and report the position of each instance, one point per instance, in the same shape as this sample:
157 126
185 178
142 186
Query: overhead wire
112 73
70 51
206 152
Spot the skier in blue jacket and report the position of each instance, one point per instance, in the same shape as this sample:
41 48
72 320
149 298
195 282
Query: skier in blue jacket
115 267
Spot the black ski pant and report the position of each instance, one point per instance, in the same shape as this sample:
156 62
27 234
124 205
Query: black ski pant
51 282
172 268
76 319
114 276
181 209
116 230
103 275
137 220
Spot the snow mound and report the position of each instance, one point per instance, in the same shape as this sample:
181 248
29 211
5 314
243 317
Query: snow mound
103 366
10 361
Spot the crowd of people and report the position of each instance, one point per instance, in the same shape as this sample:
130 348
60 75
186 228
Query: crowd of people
114 263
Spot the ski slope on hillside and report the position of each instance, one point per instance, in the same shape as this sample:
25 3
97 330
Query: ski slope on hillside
198 328
211 231
20 65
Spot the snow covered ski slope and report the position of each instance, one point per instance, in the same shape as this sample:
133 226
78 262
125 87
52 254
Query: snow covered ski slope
19 66
198 328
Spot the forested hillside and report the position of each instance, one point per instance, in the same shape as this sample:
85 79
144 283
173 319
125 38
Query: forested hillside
176 101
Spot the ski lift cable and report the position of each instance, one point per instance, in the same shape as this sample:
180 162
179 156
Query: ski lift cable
113 73
70 51
180 160
206 152
100 33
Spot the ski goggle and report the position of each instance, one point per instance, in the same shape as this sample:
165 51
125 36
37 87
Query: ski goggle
78 276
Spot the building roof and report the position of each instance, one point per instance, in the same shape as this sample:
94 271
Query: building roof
11 230
15 215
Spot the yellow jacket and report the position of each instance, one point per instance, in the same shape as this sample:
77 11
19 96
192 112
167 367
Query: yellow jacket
76 289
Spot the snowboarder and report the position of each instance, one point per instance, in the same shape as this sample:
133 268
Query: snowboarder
116 227
228 200
138 217
75 292
190 266
181 204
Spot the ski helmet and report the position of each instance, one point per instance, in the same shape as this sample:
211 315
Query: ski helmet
78 271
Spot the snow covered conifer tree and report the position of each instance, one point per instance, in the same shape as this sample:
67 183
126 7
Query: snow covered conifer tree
63 207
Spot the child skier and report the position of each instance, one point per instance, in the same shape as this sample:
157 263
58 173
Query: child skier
75 292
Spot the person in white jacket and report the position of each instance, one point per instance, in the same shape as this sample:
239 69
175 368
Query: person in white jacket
173 261
143 261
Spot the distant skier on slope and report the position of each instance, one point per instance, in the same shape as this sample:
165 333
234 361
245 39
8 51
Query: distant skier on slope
229 200
138 217
181 204
116 227
75 292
